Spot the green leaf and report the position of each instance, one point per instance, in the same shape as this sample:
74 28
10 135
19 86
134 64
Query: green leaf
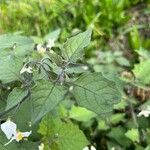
96 93
133 135
45 97
22 115
76 69
15 97
122 105
142 71
24 50
102 125
123 61
63 136
118 134
135 38
71 138
73 48
10 67
52 35
57 59
116 118
8 41
81 114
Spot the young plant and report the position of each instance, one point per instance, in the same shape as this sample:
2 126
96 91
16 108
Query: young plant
36 79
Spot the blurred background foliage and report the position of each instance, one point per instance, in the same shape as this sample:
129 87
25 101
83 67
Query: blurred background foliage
120 47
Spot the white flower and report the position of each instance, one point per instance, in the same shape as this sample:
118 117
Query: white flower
85 67
41 146
41 49
51 43
91 148
10 130
145 112
70 88
26 69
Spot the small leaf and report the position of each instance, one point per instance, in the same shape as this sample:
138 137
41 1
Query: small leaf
96 93
52 35
118 134
102 125
116 118
45 97
123 61
73 48
133 135
10 67
142 71
81 114
15 97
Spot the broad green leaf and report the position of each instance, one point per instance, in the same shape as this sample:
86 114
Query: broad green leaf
10 67
52 35
81 114
23 45
96 93
19 51
24 50
70 137
45 96
21 115
142 71
133 135
64 136
73 47
8 41
49 124
15 97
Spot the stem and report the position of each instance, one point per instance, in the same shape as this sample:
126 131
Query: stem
133 114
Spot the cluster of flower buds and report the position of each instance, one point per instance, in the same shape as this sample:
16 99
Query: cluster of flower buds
41 49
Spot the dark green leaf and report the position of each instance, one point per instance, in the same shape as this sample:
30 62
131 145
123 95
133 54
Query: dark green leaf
96 93
73 48
10 67
45 96
15 97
